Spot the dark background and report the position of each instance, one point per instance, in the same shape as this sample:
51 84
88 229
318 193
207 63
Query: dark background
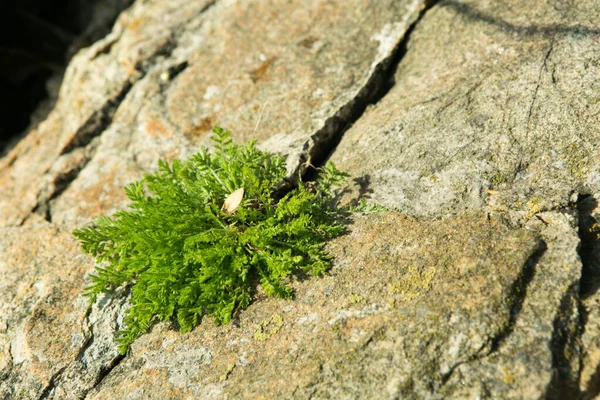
37 38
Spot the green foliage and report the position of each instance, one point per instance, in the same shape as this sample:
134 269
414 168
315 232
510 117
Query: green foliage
187 257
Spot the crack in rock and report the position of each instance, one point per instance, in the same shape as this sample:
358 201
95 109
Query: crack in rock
589 249
97 122
77 153
52 384
538 84
565 345
98 355
589 253
555 339
61 176
518 293
321 144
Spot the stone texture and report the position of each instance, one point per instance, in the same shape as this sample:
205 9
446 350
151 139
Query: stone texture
589 384
41 312
486 98
481 282
540 354
151 90
405 302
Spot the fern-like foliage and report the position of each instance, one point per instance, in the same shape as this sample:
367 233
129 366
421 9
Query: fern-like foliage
185 257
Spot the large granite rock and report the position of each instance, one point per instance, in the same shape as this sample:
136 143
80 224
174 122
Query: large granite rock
481 282
486 98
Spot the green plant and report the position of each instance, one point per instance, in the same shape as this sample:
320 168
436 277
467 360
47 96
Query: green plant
202 233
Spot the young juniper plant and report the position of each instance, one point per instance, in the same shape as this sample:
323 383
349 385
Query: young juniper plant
202 232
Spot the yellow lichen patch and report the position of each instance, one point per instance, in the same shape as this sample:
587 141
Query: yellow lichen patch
355 299
415 283
499 178
227 372
508 377
533 207
268 328
136 24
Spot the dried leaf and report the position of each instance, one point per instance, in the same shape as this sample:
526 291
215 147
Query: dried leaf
232 202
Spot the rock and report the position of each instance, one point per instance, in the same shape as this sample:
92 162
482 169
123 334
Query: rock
506 103
159 54
41 308
590 312
405 302
473 122
539 355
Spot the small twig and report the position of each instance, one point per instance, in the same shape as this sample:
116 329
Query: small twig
260 115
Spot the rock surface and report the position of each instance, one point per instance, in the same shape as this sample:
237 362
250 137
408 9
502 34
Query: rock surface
476 122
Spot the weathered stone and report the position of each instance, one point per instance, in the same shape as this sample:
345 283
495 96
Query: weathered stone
404 303
152 90
484 146
486 98
41 313
589 382
539 355
129 100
